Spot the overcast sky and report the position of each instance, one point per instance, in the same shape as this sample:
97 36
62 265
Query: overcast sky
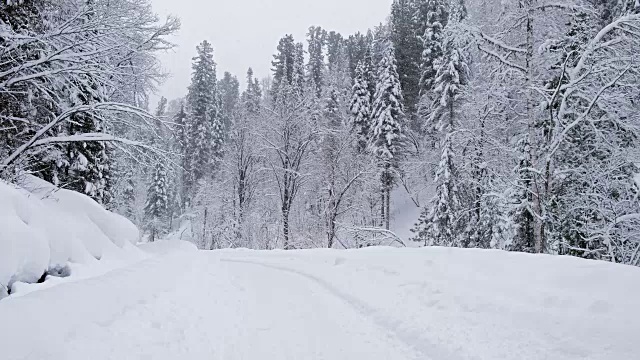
245 33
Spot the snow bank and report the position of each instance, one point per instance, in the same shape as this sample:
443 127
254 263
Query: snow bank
43 228
474 304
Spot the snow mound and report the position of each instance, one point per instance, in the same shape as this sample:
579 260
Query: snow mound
43 227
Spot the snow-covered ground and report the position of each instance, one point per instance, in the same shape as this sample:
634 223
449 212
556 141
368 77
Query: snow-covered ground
376 303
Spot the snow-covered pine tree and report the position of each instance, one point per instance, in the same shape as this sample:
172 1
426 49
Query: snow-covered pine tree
229 89
388 139
408 50
522 203
435 17
252 96
360 107
286 72
358 49
86 168
298 69
316 38
443 223
157 203
440 223
335 49
452 73
205 134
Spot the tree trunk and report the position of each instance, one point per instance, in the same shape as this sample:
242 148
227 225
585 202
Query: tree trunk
382 205
388 205
204 230
285 228
536 191
331 233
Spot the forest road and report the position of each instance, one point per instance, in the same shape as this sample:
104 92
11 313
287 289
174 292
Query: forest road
200 305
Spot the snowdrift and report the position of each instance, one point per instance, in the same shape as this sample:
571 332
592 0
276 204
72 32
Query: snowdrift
43 228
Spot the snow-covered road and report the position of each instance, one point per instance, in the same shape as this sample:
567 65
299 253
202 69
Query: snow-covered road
373 304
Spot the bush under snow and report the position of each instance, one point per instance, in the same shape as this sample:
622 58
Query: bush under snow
43 227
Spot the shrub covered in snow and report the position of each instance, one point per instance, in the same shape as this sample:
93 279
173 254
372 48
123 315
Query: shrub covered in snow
43 227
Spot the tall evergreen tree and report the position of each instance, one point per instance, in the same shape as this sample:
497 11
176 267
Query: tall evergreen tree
283 65
441 224
435 19
452 73
229 89
87 166
388 138
408 50
204 139
360 107
522 200
157 202
298 68
358 49
252 96
316 38
335 48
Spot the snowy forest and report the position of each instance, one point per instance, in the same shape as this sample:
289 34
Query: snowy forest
510 125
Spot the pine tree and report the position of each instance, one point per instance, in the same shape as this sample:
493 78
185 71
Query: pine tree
358 49
387 139
283 65
87 166
360 108
204 138
335 48
435 19
521 206
316 38
229 89
408 50
451 75
157 202
298 80
440 224
252 96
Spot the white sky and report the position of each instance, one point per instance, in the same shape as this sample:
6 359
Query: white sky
245 33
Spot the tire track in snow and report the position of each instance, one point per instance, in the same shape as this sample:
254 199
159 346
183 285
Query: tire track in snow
410 338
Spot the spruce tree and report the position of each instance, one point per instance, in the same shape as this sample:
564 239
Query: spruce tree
252 96
358 49
521 205
408 50
204 127
87 166
229 89
316 38
440 223
360 108
452 73
388 138
335 48
157 202
435 19
283 65
298 80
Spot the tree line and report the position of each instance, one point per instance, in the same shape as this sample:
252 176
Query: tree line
511 125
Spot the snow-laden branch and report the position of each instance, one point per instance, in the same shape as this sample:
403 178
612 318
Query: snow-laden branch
64 116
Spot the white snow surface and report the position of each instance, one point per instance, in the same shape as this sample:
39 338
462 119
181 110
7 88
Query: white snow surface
43 227
374 303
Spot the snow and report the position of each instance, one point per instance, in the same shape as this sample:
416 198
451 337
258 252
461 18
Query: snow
374 303
42 227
